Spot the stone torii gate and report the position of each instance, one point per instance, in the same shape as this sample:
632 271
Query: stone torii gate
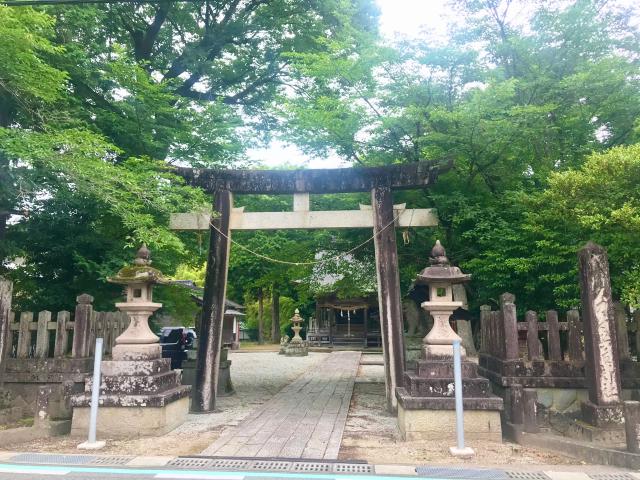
380 181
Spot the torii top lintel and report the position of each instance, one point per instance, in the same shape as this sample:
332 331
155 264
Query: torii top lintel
334 180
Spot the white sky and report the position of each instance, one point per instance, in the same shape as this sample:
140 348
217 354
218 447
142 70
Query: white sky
397 17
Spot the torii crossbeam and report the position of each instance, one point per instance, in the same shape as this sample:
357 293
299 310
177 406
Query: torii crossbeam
378 180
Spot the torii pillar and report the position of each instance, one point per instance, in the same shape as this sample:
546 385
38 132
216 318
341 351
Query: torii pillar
215 289
382 217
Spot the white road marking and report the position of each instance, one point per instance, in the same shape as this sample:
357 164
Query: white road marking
211 476
33 471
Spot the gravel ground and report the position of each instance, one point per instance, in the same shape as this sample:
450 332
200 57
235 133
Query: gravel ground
371 434
256 377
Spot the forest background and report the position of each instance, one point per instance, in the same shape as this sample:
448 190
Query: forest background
537 103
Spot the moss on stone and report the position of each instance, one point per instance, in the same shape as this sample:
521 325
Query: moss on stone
138 273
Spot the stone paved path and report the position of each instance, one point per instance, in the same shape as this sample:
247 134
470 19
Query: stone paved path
305 419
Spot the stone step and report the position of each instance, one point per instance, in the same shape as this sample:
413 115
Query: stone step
144 367
410 402
444 369
137 384
444 387
124 400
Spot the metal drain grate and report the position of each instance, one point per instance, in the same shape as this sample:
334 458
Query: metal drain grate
352 468
187 462
311 467
110 460
528 476
270 465
53 459
462 473
611 476
231 464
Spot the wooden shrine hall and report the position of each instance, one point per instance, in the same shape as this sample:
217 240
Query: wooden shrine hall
382 217
350 322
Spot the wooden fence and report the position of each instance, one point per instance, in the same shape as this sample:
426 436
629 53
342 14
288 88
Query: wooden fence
502 336
549 353
41 335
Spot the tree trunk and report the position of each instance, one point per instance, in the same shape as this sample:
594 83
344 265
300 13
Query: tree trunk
275 315
260 317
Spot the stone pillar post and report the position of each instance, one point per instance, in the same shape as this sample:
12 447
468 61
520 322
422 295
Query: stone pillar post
602 371
510 326
516 397
82 326
6 291
530 400
43 399
632 425
464 326
485 314
210 334
621 331
391 327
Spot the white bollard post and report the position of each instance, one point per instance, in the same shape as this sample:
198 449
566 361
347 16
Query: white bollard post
92 443
459 450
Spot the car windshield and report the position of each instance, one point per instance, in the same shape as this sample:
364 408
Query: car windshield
171 336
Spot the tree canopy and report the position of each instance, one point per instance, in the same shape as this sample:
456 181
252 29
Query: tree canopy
536 104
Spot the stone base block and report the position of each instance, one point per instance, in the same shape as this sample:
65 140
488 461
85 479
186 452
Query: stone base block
296 349
97 445
440 352
444 369
131 422
419 386
146 367
610 416
127 352
602 436
479 425
225 385
466 452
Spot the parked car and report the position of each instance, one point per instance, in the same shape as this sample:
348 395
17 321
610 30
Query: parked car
175 342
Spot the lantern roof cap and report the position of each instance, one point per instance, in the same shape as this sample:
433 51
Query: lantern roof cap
296 316
440 270
140 272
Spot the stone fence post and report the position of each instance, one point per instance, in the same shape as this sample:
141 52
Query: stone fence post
82 326
510 326
6 291
602 371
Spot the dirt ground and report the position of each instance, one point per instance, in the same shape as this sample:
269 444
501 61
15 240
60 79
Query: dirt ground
371 434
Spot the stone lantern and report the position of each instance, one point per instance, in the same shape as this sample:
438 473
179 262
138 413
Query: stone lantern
297 347
440 277
139 393
138 342
426 404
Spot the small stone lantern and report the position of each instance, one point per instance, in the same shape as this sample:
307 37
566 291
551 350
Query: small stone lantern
297 347
138 342
440 277
139 393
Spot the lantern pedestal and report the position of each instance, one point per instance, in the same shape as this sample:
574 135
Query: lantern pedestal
139 393
426 403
